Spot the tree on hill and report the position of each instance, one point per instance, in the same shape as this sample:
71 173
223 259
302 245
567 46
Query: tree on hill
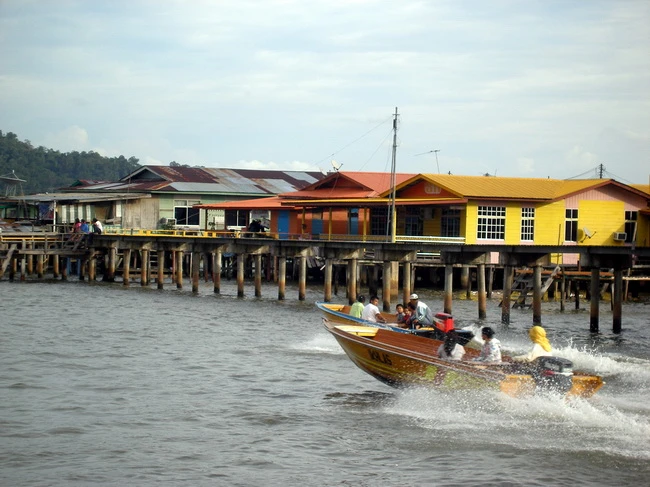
48 169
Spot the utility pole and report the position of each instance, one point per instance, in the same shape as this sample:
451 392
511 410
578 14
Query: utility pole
393 180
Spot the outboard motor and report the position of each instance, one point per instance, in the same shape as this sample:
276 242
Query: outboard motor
553 374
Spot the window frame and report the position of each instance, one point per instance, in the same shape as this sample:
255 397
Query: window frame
527 233
571 225
491 223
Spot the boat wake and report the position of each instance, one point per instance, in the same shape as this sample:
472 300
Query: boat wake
546 422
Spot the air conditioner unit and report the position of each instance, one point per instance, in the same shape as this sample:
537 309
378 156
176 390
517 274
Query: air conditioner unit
620 236
171 221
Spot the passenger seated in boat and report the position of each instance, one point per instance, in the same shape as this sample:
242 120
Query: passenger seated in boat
491 351
422 314
371 311
410 312
357 308
451 349
541 345
401 316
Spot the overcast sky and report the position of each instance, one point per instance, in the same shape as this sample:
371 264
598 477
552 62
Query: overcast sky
513 88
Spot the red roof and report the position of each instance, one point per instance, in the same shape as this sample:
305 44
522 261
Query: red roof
349 184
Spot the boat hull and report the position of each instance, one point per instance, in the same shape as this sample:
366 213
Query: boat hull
400 360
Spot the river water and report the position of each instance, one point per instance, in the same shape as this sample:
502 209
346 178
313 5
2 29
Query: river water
103 385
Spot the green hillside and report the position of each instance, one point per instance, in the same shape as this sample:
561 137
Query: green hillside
48 169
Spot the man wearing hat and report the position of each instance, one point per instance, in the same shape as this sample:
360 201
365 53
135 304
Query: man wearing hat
422 316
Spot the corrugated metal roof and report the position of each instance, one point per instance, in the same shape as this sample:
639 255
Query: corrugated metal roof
209 180
82 197
512 188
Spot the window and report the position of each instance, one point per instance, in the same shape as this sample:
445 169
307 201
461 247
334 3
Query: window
413 221
631 218
571 225
379 221
527 224
236 218
450 222
491 223
184 213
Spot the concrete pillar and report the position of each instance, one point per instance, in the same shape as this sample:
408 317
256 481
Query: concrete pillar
537 294
617 301
394 280
595 298
216 271
39 266
196 271
126 263
81 268
406 278
23 268
481 294
508 277
258 275
207 262
490 279
160 278
55 266
386 282
92 266
30 259
448 288
178 268
282 277
112 262
327 289
302 277
144 267
241 261
352 280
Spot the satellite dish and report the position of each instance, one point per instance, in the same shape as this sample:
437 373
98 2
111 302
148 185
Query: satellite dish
336 165
588 233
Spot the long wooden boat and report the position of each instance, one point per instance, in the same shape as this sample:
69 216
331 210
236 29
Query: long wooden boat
399 359
340 313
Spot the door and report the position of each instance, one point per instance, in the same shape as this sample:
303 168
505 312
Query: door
283 224
353 221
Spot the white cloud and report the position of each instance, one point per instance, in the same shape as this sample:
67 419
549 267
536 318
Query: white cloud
511 86
69 139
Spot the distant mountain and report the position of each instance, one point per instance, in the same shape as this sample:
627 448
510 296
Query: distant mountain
48 169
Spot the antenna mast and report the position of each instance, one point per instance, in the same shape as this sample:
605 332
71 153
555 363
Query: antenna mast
393 182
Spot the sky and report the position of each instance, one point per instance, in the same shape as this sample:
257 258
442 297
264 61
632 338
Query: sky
520 88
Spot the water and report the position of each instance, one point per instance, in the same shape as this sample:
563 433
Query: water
102 385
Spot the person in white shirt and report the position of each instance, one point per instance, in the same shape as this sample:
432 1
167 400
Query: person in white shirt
491 351
422 316
541 345
371 311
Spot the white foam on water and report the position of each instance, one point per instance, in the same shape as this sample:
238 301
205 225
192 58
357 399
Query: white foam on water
539 422
321 344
